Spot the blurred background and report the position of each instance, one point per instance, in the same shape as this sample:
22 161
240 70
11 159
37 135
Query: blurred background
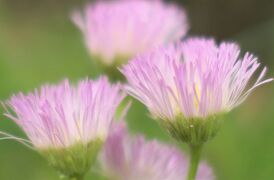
38 44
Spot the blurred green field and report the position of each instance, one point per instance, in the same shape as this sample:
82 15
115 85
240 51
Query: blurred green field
38 47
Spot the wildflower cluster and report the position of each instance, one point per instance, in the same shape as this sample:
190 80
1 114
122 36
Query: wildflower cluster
186 84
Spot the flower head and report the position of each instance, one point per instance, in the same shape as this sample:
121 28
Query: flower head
195 79
115 31
132 158
67 124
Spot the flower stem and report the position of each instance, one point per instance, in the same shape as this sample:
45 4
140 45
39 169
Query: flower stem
76 178
195 153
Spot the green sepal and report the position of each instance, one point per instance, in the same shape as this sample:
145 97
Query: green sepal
74 161
111 70
194 131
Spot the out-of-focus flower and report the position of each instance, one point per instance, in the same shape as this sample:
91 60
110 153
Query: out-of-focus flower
115 31
67 124
187 84
132 158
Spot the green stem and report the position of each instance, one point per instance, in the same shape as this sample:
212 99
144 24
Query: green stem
76 178
195 153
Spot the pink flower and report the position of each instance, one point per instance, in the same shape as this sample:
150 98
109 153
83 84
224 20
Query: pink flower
115 31
59 116
193 79
132 158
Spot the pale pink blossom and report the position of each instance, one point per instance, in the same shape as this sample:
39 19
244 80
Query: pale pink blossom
118 30
194 79
126 157
58 116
